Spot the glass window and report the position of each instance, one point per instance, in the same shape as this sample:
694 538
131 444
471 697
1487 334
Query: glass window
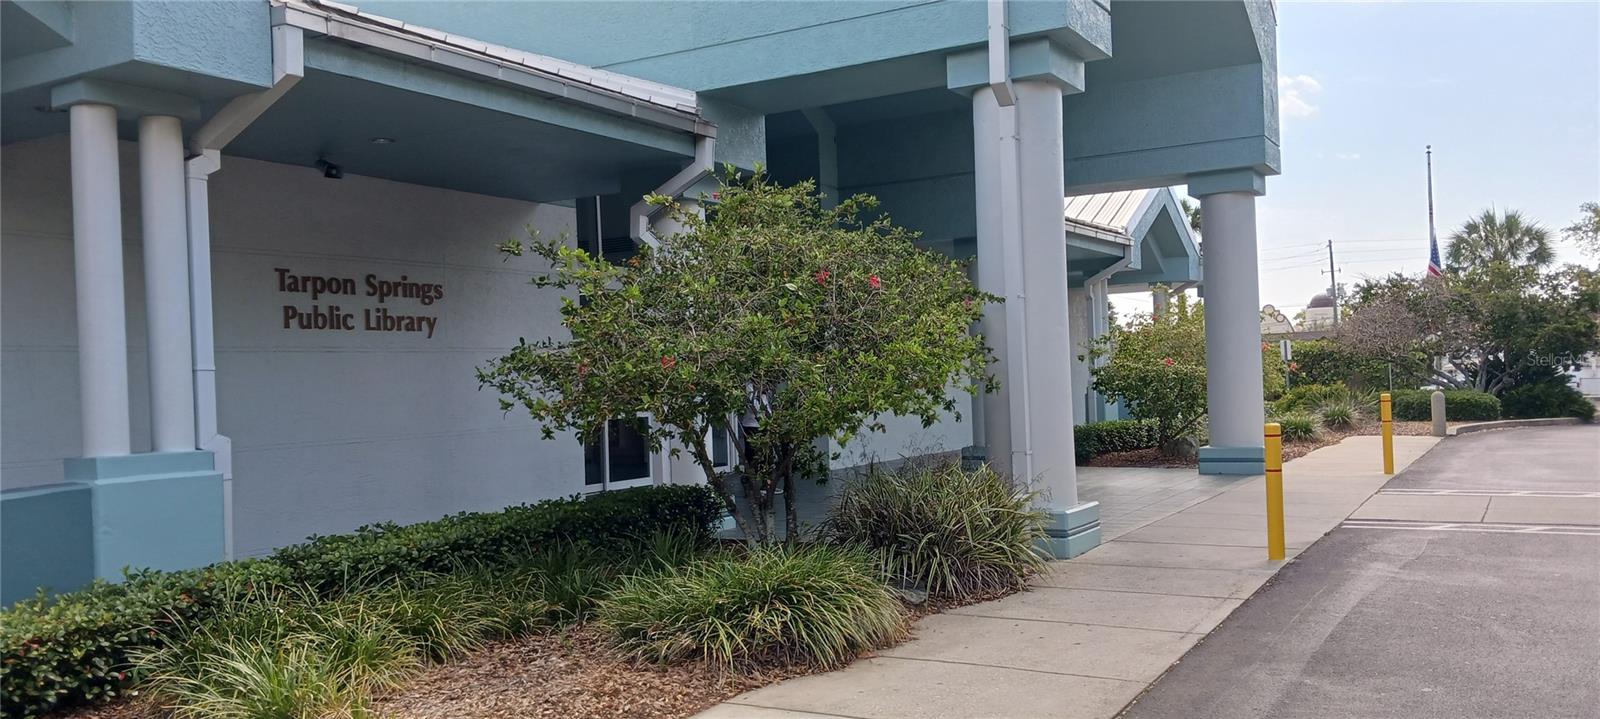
719 447
620 453
594 461
627 451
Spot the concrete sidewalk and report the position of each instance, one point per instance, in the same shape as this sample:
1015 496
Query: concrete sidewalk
1098 629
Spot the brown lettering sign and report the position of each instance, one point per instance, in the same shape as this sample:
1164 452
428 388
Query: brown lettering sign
373 319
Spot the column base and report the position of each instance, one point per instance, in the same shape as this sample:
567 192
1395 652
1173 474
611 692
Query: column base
1233 460
1072 532
161 510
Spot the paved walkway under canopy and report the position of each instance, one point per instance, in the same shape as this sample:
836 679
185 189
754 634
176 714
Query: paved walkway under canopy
1181 553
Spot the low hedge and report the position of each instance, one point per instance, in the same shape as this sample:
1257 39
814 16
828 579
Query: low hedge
1546 399
73 648
1118 435
1460 405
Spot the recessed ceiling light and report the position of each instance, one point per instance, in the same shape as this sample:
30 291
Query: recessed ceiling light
383 141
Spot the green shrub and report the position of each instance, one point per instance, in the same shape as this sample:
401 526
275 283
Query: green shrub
1298 426
1306 397
1460 405
381 552
74 648
818 605
1546 399
955 533
1339 413
1118 435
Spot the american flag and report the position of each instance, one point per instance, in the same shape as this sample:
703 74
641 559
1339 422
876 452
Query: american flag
1434 270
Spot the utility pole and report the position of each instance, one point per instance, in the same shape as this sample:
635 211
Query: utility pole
1333 280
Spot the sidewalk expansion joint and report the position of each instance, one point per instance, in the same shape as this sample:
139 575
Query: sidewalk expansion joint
959 613
1010 668
793 711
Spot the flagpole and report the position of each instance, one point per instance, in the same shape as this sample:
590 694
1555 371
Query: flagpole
1431 237
1435 268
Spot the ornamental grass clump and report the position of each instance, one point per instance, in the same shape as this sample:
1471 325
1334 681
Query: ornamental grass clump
1298 427
957 534
1339 413
815 605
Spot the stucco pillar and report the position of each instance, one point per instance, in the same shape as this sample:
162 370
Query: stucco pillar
1042 187
97 259
1233 334
166 279
994 126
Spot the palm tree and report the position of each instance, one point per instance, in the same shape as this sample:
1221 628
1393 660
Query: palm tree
1191 212
1506 238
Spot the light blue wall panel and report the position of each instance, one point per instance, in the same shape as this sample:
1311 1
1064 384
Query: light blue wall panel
709 44
45 540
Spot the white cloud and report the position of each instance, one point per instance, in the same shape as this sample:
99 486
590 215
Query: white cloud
1295 94
1346 155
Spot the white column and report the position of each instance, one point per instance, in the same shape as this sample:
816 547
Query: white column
1233 320
1042 186
166 279
992 127
97 258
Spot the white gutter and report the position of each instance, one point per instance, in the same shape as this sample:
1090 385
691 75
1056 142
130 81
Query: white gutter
1016 300
1099 287
704 163
205 157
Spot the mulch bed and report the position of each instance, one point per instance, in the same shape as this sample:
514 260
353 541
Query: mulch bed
1291 450
570 674
566 674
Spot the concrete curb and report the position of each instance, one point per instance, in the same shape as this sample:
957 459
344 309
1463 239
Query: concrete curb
1511 424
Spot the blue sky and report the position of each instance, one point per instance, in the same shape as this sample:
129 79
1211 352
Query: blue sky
1508 94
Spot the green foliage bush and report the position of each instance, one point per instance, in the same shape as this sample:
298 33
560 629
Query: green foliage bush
289 652
75 647
1460 405
1309 396
819 318
819 605
958 534
1118 435
1339 414
1546 399
1298 426
381 552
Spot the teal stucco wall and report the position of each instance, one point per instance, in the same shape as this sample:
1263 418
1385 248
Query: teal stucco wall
45 540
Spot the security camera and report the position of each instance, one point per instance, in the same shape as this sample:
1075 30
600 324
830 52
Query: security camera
330 170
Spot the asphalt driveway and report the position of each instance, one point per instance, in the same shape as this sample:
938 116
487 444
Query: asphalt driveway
1412 611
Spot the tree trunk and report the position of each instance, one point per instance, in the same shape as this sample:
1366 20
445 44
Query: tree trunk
791 520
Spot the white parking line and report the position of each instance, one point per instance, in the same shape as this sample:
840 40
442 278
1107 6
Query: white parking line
1557 529
1489 493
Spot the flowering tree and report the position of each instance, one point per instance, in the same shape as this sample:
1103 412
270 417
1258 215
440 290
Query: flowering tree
1156 367
772 319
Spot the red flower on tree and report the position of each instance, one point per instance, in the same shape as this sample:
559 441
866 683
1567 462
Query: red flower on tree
876 283
1168 361
822 276
1294 366
669 362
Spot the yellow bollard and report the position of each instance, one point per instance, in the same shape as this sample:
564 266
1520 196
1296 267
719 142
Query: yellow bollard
1274 491
1386 415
